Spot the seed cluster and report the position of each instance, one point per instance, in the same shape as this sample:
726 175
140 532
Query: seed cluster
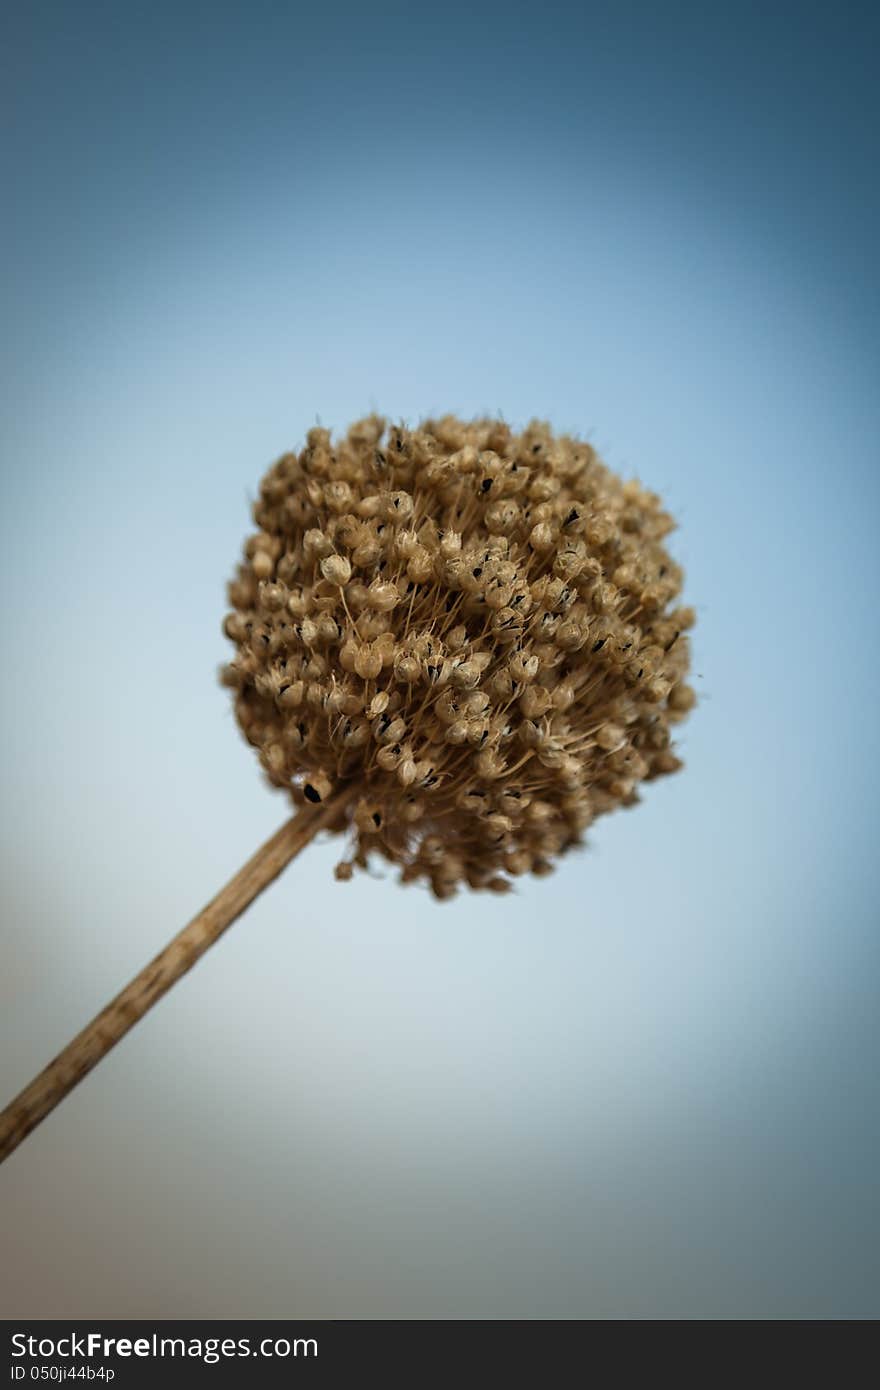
466 634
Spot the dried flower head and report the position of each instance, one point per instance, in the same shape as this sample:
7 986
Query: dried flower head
470 634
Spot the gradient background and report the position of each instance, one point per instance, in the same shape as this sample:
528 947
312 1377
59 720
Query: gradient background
646 1087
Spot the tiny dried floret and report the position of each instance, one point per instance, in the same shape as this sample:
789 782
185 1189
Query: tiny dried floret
466 639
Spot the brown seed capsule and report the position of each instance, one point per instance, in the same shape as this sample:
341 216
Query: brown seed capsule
523 668
535 701
541 537
368 661
609 736
368 816
317 787
378 705
390 757
407 668
336 569
682 698
382 595
457 732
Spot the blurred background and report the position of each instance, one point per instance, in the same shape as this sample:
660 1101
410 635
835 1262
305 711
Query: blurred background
645 1087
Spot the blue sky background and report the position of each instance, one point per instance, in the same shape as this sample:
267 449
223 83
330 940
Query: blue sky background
645 1087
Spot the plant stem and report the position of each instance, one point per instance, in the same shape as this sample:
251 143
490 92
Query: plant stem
105 1030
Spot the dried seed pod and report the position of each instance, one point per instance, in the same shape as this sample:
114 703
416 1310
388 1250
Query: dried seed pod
368 661
317 787
336 569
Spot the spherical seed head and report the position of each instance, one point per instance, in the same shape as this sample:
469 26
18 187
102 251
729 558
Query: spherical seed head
469 635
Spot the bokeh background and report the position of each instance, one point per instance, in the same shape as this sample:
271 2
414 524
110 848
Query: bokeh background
646 1087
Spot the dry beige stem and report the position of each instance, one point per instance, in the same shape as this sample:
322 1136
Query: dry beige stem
180 955
476 627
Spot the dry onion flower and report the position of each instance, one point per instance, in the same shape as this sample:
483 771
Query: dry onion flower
456 645
470 635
